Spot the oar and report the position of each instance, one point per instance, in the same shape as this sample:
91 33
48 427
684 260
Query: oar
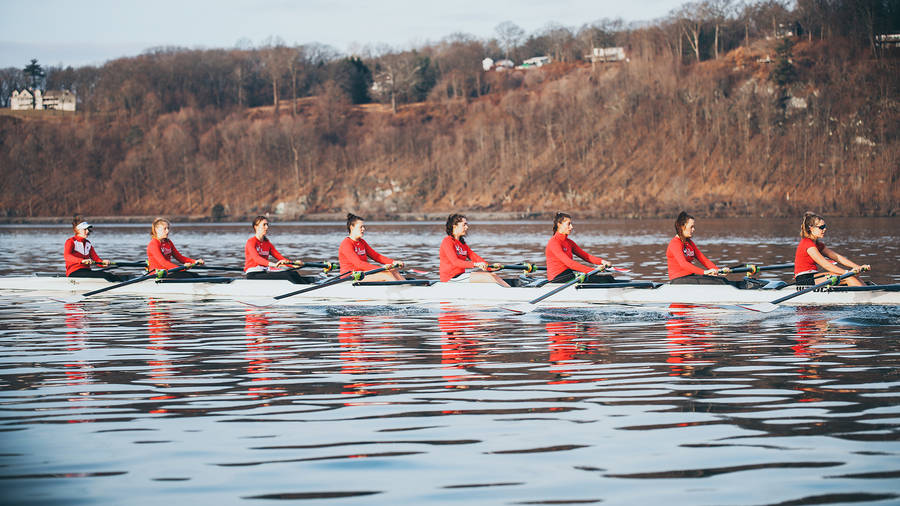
221 268
532 304
353 275
126 264
158 274
767 307
529 267
753 269
325 266
525 266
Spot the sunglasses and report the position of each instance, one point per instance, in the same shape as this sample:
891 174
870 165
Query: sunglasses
821 227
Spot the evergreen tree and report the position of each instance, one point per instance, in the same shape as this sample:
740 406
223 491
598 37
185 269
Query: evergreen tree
37 74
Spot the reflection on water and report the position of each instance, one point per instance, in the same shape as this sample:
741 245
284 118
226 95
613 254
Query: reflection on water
140 400
136 400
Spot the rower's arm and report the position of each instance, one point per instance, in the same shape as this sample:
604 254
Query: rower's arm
841 259
823 262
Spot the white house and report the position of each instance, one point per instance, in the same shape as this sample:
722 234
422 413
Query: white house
56 100
604 54
537 61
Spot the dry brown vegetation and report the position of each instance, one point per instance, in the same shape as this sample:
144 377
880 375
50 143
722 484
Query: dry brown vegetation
724 136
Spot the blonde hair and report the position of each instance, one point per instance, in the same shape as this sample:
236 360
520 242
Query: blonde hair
809 220
156 222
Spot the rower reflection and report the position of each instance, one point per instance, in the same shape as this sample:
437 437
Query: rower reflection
77 372
362 352
159 333
572 344
259 351
688 339
459 350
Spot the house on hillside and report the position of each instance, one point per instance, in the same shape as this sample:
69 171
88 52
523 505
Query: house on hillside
58 100
606 54
489 64
537 61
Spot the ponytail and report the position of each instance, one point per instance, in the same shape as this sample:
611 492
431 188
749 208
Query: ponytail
680 221
351 219
558 219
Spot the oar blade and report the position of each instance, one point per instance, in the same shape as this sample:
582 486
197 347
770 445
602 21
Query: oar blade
261 303
519 309
762 307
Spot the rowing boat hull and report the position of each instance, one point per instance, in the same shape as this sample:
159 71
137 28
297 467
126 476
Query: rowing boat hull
262 291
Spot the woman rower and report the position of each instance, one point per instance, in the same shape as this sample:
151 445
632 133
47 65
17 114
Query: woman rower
355 251
80 254
257 264
812 252
561 266
161 250
456 256
682 252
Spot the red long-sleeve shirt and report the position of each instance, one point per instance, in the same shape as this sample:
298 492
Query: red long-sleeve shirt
456 257
559 253
161 252
352 256
256 253
77 249
680 257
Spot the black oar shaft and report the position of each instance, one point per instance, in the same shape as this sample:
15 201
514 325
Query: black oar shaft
135 280
577 279
832 280
339 279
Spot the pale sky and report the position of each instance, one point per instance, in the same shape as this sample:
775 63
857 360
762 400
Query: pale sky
92 32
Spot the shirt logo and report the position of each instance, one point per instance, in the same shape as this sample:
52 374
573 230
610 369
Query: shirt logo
459 250
83 248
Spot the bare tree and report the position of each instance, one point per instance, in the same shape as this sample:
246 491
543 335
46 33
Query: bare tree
395 75
510 35
275 60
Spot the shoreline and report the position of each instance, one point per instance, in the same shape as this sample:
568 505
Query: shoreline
340 217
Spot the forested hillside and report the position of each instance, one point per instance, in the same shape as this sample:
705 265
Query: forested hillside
760 111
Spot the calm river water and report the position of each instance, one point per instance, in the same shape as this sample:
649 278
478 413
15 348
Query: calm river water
130 400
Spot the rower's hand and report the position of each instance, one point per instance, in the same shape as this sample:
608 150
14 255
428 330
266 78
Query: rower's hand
481 265
604 265
87 261
860 268
279 263
296 263
199 262
396 265
105 263
711 272
723 271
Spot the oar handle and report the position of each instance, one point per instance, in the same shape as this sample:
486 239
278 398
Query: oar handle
221 268
753 269
525 266
126 264
346 276
325 266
